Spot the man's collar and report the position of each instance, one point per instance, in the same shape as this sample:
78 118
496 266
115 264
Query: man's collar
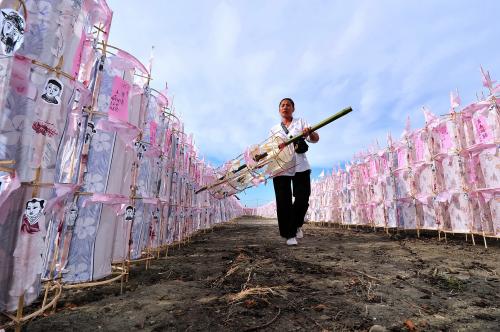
290 121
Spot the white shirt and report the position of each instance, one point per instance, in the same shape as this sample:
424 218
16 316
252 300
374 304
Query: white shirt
299 163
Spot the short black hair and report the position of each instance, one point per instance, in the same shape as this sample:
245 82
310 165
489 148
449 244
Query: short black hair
55 82
289 99
34 200
16 19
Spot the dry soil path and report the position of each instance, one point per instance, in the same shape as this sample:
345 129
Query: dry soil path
242 277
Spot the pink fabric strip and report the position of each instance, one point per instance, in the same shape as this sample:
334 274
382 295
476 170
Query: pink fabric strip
477 148
107 199
454 100
153 152
133 63
19 80
488 193
487 82
126 131
63 191
74 119
479 106
153 201
77 59
424 199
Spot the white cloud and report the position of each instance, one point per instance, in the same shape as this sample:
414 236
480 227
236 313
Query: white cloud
225 28
230 62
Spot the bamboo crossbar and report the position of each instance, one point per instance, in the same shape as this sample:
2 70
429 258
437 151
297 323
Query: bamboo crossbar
19 321
118 275
21 3
56 70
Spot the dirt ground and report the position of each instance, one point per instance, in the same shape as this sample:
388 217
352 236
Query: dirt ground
242 277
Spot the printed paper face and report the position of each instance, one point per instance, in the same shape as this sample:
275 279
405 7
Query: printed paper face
140 149
34 209
71 216
32 213
12 31
89 131
129 213
52 91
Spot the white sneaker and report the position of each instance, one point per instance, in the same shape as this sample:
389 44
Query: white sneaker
292 241
299 234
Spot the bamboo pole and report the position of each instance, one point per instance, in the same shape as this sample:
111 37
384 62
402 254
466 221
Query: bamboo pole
262 156
19 314
96 283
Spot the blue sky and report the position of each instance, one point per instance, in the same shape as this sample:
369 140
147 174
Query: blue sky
228 63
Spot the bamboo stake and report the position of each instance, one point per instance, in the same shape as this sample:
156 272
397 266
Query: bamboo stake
21 4
47 285
122 279
19 314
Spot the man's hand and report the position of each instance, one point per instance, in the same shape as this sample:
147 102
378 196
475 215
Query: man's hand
313 136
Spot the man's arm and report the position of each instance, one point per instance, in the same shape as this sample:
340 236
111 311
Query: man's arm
311 136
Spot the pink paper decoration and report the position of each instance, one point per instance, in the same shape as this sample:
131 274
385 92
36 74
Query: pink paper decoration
77 60
419 148
445 138
483 132
118 107
454 99
401 158
152 132
20 80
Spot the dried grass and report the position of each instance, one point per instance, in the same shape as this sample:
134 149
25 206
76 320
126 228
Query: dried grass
235 266
258 291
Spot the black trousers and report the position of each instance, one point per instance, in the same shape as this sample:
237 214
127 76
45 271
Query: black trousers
291 215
